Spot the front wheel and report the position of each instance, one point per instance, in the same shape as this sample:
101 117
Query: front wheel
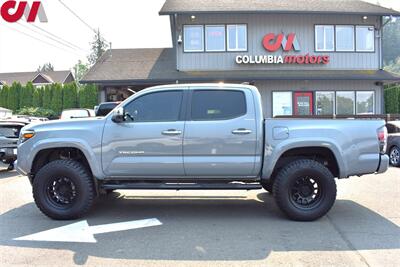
63 190
304 190
394 155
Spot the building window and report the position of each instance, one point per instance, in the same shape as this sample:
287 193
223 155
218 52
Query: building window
237 37
324 103
365 102
282 103
193 38
215 38
324 37
365 41
218 105
344 38
345 103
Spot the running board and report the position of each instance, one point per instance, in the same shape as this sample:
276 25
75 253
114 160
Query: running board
183 186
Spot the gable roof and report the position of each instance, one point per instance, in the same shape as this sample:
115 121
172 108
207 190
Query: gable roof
25 77
275 6
158 65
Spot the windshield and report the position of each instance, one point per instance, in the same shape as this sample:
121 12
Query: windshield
10 131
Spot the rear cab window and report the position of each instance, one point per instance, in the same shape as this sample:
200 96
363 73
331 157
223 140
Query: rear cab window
208 105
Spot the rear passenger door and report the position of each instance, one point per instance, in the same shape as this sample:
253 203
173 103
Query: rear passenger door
220 133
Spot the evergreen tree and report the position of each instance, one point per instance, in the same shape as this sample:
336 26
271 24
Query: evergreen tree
13 96
98 47
70 95
4 96
47 96
57 98
37 100
26 95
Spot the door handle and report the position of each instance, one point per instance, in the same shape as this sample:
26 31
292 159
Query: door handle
241 131
171 132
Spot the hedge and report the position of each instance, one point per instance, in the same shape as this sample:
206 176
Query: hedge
54 98
392 99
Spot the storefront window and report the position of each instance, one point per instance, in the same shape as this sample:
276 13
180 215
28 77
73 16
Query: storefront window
345 103
344 38
215 38
324 103
237 37
365 41
282 103
324 37
365 102
193 38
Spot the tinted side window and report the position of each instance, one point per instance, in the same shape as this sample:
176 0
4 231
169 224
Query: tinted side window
218 104
160 106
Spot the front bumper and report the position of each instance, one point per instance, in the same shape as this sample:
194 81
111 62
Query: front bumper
384 164
8 154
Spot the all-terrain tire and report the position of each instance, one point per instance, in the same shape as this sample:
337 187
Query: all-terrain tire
295 179
83 188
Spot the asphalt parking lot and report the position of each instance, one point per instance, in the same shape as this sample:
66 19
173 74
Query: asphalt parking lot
212 228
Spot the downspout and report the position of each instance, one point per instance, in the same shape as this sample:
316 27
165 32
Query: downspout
176 44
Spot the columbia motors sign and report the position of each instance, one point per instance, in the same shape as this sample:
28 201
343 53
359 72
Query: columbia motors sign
13 11
287 43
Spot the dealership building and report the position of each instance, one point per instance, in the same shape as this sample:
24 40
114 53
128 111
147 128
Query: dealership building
304 56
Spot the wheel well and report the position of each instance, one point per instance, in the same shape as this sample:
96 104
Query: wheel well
48 155
320 154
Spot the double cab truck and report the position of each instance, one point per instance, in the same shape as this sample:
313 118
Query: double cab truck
197 137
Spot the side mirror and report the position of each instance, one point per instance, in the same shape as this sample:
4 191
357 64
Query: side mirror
118 115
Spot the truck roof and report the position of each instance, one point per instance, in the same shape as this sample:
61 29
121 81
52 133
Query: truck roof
216 86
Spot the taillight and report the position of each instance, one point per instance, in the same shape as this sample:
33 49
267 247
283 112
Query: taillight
382 138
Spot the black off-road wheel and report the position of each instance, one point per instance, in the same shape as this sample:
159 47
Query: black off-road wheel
63 190
268 186
305 190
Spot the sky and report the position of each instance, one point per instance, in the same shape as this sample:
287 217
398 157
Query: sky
125 23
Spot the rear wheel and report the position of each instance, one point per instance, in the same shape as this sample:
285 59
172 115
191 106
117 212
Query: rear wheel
63 190
394 155
304 190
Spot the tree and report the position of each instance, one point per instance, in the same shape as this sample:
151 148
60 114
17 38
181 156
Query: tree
46 67
13 96
37 100
70 96
391 41
4 96
88 96
57 98
98 47
26 95
47 96
80 69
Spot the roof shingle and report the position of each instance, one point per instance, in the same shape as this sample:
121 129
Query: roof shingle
275 6
25 77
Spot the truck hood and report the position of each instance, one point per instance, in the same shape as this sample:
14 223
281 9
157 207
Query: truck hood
59 125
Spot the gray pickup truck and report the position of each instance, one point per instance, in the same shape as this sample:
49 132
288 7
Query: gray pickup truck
198 136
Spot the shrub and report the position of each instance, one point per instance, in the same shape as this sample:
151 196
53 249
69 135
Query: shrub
37 112
392 100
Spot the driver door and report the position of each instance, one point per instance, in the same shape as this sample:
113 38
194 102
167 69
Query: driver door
149 142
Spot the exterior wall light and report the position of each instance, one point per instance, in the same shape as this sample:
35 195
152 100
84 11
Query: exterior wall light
179 39
365 18
192 18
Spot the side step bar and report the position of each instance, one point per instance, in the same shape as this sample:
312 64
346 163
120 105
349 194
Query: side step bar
183 186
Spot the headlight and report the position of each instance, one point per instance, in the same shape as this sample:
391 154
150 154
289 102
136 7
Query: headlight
26 135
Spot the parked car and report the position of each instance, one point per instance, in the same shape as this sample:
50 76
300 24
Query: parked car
9 134
77 113
205 136
393 147
104 108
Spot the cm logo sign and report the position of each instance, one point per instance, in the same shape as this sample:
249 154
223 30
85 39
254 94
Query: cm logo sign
13 11
272 42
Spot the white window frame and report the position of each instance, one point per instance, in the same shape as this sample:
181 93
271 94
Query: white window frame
373 101
316 39
334 101
206 38
336 39
184 36
354 104
237 38
373 41
291 102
